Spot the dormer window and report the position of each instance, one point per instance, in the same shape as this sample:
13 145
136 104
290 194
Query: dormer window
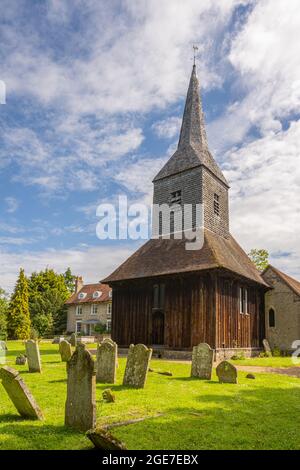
97 294
81 295
217 204
176 197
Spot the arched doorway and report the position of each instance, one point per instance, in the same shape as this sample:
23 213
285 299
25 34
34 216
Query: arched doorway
158 328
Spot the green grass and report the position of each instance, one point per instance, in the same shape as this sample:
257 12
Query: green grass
255 414
266 362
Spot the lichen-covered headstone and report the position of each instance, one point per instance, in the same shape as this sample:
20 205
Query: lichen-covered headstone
103 439
73 340
108 396
65 351
3 350
21 360
33 356
202 361
267 347
19 394
80 411
137 365
107 355
226 373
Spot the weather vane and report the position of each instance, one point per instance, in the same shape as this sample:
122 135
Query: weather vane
195 52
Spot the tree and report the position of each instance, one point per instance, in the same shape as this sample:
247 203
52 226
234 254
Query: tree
260 258
69 280
3 314
18 318
48 292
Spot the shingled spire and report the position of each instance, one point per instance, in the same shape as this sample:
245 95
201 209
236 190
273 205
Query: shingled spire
193 127
192 150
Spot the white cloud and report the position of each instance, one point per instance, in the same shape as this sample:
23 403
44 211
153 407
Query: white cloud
167 128
12 204
92 263
265 206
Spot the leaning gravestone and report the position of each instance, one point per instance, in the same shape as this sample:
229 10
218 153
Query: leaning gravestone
202 361
19 394
33 356
107 355
65 351
226 373
80 411
137 365
267 347
73 340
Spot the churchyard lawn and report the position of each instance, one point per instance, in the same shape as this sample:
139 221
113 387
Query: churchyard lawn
265 362
254 414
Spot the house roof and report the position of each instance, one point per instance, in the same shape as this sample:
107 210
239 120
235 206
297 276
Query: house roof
290 281
160 257
192 148
89 289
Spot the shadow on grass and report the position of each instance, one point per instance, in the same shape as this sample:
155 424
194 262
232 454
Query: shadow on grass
57 381
6 418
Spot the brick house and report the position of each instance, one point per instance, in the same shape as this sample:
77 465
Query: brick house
282 309
89 306
172 298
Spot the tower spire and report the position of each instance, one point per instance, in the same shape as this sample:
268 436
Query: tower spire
193 125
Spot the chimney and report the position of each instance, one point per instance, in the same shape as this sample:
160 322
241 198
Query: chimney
78 284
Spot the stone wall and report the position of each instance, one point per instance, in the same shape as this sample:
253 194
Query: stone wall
286 305
86 314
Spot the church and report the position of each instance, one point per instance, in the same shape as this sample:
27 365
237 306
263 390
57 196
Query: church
171 298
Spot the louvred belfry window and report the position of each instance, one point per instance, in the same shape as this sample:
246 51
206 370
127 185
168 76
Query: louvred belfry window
216 204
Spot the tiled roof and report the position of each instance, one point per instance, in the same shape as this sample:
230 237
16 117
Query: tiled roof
160 257
290 281
89 289
192 148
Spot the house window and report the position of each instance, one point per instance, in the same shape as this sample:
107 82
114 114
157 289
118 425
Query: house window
158 296
216 204
176 197
271 318
109 310
78 327
108 326
243 300
94 309
79 310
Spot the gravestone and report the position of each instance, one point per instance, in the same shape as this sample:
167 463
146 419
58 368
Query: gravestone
65 350
58 339
73 340
202 361
104 440
107 355
226 373
267 347
137 365
80 410
3 346
21 360
33 356
19 394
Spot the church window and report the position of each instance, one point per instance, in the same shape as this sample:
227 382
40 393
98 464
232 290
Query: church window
176 197
243 300
271 318
216 204
158 296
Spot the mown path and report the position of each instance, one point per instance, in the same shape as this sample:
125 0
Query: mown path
291 371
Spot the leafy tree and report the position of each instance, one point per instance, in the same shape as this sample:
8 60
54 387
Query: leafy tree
69 280
3 313
260 258
18 318
47 295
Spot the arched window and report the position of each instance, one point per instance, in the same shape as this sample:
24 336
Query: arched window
271 318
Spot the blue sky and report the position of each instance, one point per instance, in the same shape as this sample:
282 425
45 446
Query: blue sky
95 94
